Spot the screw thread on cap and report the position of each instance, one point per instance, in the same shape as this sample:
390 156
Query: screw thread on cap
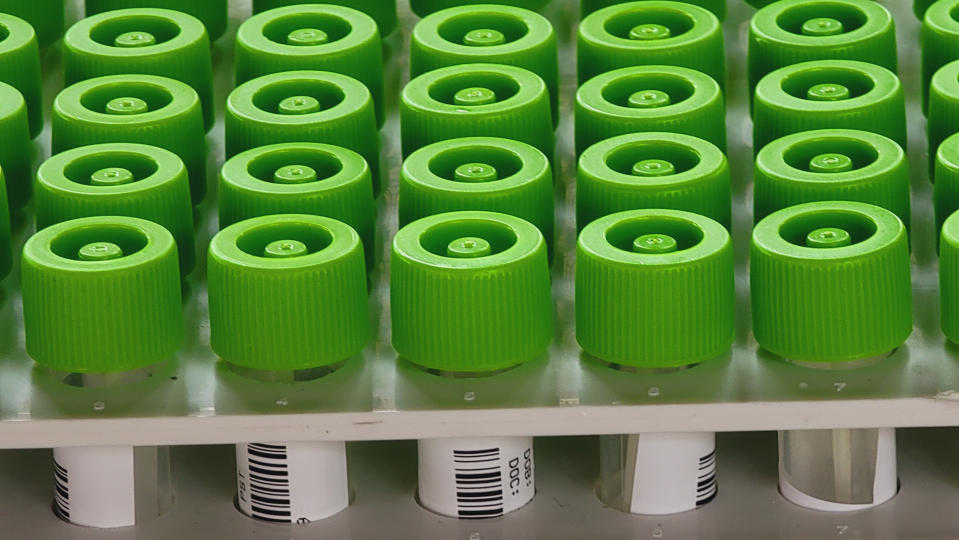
119 179
648 103
949 277
675 171
176 126
855 277
333 38
300 178
212 13
939 37
151 41
293 299
610 39
382 11
943 108
484 313
15 150
946 188
459 174
655 288
831 165
101 295
466 110
345 116
20 66
802 97
793 31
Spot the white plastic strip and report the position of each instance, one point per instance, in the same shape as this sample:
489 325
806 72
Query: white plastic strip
671 472
885 481
94 486
292 483
476 478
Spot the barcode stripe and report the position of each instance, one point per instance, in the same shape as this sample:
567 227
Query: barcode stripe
270 498
706 486
61 498
479 483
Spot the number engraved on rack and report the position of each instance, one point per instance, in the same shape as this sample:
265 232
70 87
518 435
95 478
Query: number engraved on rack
61 479
269 482
706 487
479 483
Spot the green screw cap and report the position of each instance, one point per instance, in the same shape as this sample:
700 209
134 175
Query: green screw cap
655 289
20 66
831 165
491 34
315 37
6 239
45 16
811 95
15 149
650 98
101 295
717 7
142 40
653 170
919 7
939 37
424 8
287 292
119 179
382 11
458 307
651 32
478 173
143 109
949 277
943 108
817 298
300 178
212 13
946 188
793 31
304 106
452 102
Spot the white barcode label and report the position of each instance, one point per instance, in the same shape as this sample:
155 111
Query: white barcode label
94 486
671 472
292 483
476 478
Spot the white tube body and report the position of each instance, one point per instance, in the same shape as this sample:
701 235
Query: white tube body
838 470
672 472
476 478
292 483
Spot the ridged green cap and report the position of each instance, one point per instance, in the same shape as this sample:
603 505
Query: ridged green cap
287 292
946 188
829 94
793 31
478 173
101 295
315 37
15 149
6 240
718 7
142 40
45 16
949 277
655 289
831 165
488 33
382 11
426 7
919 7
304 106
849 298
300 178
212 13
476 100
943 118
144 109
939 37
119 179
470 292
653 170
650 98
651 32
20 66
